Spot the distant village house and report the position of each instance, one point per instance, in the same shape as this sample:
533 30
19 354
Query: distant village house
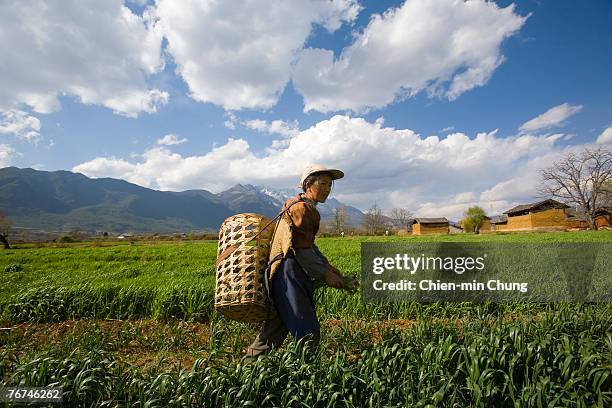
603 218
425 226
546 214
499 222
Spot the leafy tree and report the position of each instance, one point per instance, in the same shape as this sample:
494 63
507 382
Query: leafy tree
581 180
473 218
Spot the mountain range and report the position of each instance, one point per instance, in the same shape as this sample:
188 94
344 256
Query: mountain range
65 201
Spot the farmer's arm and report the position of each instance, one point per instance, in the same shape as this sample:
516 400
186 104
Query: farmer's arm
319 253
318 268
312 264
307 254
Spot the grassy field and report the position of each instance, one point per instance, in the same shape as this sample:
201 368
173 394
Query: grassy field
123 325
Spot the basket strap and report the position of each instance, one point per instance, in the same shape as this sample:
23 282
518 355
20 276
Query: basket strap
278 217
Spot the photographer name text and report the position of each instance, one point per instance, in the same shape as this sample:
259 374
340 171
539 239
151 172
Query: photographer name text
412 264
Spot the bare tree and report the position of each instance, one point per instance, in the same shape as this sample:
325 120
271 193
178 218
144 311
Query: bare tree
579 179
402 216
373 221
5 229
604 196
326 226
340 218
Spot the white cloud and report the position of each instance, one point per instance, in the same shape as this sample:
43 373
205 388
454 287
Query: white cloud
273 127
554 117
464 197
569 136
518 186
230 123
511 189
240 56
20 124
446 47
606 136
7 153
170 140
394 167
98 51
111 167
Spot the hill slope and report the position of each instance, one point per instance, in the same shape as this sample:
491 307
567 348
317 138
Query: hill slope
62 200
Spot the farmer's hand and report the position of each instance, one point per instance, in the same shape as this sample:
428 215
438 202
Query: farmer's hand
332 278
350 283
334 270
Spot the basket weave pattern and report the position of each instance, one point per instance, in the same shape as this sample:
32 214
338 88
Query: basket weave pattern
240 287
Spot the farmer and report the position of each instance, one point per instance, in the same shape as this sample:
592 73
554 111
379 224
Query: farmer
295 264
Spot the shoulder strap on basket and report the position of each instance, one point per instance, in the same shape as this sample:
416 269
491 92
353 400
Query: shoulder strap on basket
300 199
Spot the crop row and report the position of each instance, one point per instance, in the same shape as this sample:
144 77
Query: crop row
563 359
57 303
194 302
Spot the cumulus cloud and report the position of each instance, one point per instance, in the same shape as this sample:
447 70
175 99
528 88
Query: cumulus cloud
240 56
97 51
393 167
7 153
170 140
606 136
273 127
20 124
554 117
446 47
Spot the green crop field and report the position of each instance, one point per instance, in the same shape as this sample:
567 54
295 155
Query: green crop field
119 324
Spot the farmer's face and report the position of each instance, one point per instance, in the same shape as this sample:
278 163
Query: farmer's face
320 189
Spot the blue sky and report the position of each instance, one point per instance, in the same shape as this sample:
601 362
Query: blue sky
186 94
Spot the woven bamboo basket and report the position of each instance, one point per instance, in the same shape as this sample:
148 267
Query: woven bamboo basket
240 287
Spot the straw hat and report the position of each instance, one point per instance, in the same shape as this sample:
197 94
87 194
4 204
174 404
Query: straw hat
318 168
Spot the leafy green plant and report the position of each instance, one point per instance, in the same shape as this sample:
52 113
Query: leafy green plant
13 268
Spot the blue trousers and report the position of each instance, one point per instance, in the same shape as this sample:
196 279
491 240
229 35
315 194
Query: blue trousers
293 296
